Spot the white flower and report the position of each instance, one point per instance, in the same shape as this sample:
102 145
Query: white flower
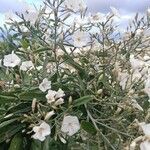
147 87
96 18
115 12
11 60
78 21
123 78
9 15
30 14
0 62
70 125
51 96
145 145
147 60
45 85
26 65
60 93
51 68
75 5
80 39
136 75
139 32
145 128
148 11
136 63
41 131
126 35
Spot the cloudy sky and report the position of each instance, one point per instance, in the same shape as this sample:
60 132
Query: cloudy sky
127 8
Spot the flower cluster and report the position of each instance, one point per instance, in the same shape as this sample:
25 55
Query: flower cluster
70 126
70 79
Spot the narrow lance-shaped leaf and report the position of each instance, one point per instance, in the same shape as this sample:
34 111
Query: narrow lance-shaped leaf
88 127
16 143
82 100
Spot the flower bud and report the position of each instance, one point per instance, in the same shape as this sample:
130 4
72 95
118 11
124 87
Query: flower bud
33 104
59 102
99 91
49 115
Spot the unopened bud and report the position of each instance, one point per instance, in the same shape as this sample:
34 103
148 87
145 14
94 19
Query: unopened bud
100 77
132 146
49 115
33 104
100 91
59 102
70 100
62 140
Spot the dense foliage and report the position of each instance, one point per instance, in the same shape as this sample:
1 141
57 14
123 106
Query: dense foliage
74 81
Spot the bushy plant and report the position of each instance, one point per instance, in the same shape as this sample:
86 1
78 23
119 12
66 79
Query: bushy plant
69 80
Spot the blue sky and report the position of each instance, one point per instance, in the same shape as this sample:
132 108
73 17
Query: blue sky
127 8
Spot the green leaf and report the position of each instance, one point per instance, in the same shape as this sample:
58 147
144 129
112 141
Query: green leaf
46 143
7 99
82 100
9 131
5 123
77 66
41 50
19 108
29 95
25 44
88 127
36 145
16 143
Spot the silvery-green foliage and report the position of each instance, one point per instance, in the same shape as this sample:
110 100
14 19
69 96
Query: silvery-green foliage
71 79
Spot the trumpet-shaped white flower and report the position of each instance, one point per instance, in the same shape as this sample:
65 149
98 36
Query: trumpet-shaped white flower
60 93
123 78
145 145
45 85
51 96
30 13
70 125
41 131
31 16
96 18
80 39
26 65
146 128
115 12
11 60
148 11
78 21
9 15
75 5
139 32
136 63
136 76
147 87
